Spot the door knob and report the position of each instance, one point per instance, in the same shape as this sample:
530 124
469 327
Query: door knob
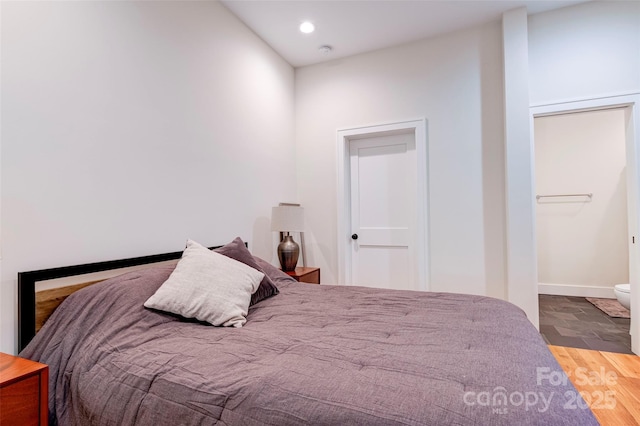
354 236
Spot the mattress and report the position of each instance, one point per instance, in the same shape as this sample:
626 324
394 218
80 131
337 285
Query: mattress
321 355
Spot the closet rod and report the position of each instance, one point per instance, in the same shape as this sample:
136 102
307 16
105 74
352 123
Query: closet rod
590 195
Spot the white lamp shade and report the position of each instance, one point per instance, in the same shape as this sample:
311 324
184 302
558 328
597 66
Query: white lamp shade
287 219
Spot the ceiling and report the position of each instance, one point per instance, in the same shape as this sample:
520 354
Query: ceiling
357 26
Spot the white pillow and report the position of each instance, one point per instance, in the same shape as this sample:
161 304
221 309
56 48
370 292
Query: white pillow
208 286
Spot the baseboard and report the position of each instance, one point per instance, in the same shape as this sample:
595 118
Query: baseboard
576 290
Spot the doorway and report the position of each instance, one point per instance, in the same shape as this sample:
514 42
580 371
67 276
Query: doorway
382 206
582 228
581 203
631 105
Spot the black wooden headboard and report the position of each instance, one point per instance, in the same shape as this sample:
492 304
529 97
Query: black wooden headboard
27 286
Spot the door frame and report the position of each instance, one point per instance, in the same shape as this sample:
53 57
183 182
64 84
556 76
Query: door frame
631 101
344 136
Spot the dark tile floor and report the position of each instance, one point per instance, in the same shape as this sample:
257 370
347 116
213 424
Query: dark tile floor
574 322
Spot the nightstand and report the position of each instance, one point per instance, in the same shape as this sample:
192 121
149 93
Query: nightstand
305 275
24 389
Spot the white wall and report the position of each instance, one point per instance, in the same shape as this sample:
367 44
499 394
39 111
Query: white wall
455 82
581 241
588 50
130 126
521 285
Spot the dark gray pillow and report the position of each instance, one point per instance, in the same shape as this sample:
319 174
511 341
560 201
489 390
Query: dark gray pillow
276 275
237 250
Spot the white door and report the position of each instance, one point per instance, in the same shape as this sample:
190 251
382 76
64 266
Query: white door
383 180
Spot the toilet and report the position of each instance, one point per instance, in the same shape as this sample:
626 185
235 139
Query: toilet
622 292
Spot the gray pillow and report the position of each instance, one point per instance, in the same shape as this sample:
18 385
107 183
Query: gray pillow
209 287
237 250
275 274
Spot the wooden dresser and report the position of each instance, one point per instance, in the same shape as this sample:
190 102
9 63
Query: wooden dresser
24 389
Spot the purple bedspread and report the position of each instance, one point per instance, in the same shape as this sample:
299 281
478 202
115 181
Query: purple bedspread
322 355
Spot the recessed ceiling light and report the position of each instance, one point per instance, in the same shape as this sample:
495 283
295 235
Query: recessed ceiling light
307 27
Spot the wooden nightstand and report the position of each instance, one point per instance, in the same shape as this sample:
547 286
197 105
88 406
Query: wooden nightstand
24 389
306 275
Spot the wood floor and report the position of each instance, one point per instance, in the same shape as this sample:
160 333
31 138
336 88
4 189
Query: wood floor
611 381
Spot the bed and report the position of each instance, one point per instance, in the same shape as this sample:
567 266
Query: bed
321 355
